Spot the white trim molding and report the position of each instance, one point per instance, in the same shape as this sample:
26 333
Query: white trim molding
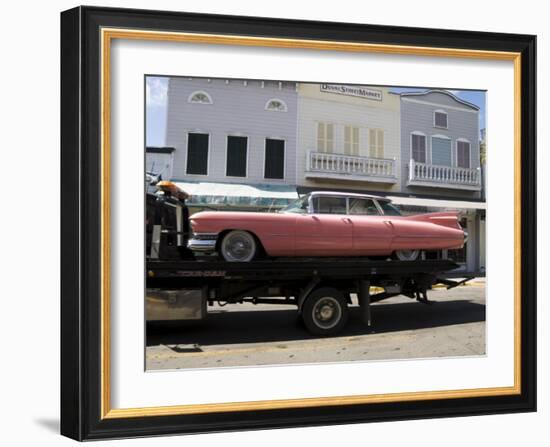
407 96
418 101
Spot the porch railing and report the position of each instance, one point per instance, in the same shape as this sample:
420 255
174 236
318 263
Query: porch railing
322 162
443 175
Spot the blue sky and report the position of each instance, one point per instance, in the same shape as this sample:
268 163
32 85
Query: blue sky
156 90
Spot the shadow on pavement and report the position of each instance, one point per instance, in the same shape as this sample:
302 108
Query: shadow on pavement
285 325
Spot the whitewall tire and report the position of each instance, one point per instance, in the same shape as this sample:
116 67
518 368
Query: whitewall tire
407 255
238 246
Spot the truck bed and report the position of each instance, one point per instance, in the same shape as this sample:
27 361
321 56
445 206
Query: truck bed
170 273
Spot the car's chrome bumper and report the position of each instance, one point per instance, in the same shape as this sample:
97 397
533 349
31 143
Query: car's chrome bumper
205 243
465 236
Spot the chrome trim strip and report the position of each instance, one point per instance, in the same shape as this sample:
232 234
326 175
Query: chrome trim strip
206 246
205 236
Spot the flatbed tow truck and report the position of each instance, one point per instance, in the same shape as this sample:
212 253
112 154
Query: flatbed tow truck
181 286
321 289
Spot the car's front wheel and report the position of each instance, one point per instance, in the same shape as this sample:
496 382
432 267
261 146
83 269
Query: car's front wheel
407 255
238 246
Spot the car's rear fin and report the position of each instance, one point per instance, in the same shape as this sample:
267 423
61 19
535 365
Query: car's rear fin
444 218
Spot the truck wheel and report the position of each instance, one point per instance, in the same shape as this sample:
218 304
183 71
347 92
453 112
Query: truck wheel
325 311
238 246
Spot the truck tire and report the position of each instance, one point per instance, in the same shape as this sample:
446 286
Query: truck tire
325 311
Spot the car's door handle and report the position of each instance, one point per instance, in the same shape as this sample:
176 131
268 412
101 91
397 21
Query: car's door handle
346 219
389 222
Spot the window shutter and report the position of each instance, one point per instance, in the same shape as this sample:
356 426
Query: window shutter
274 159
236 156
321 137
325 137
376 143
372 143
440 119
463 154
419 148
441 151
351 140
355 147
330 137
380 144
197 153
347 140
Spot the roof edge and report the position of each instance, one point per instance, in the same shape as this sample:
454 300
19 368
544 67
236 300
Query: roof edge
445 92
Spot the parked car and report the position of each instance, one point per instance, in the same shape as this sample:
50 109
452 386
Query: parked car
325 224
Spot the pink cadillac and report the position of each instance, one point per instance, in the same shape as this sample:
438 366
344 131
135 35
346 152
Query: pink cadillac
325 224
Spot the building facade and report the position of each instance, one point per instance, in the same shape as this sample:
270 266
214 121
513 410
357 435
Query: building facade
232 131
245 144
440 162
440 145
348 137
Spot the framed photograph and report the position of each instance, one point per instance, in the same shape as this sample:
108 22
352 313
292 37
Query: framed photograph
273 223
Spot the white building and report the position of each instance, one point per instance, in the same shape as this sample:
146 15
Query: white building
348 137
234 140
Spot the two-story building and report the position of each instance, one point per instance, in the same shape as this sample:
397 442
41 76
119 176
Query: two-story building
348 138
440 163
234 140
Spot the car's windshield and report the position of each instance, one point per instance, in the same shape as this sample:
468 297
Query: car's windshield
388 208
298 206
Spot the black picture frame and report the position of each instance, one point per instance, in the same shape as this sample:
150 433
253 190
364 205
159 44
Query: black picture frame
81 216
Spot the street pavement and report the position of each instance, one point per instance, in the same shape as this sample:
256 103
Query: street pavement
248 334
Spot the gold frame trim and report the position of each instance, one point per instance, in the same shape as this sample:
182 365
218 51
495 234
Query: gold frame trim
107 35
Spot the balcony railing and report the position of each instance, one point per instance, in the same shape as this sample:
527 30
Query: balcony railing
350 167
424 174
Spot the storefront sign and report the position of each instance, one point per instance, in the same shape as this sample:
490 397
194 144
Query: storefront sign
351 90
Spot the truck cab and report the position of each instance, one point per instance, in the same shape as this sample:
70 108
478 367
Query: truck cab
167 223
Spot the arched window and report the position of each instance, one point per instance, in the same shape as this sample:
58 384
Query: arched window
276 105
200 97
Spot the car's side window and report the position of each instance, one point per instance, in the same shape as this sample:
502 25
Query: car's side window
389 209
364 207
329 205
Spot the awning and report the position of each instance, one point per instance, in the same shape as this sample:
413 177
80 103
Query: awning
436 203
236 194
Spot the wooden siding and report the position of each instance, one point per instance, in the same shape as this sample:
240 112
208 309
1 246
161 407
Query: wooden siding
315 106
238 109
463 122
